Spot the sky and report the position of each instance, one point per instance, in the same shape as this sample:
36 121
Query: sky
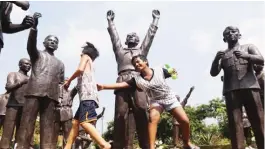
188 37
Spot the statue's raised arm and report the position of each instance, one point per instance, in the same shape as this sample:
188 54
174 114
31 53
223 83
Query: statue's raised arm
149 37
32 39
115 39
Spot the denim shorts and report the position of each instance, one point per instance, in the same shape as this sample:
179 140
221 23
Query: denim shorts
86 111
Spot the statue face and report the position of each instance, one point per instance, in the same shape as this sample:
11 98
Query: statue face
132 38
139 64
25 65
231 34
51 43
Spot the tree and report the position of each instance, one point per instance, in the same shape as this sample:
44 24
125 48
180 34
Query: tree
108 135
217 109
201 134
164 129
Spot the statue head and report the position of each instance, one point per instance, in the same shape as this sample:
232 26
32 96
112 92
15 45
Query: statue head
51 43
24 65
258 68
132 39
231 34
90 50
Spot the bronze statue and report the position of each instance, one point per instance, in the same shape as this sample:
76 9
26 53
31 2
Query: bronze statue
42 92
6 26
130 104
260 76
175 122
15 85
64 111
3 101
240 86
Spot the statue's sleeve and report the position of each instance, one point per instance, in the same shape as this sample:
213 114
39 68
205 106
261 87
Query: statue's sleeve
149 37
32 44
216 68
73 93
115 39
185 100
6 14
254 55
11 82
61 74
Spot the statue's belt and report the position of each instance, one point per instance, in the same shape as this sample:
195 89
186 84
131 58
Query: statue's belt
127 71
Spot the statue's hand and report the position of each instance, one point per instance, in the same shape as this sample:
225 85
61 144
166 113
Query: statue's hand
25 81
110 15
241 54
36 17
28 21
192 88
156 14
219 55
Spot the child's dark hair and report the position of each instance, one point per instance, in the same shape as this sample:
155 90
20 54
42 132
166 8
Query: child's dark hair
90 50
142 57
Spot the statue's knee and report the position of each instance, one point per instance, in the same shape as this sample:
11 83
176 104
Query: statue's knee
121 112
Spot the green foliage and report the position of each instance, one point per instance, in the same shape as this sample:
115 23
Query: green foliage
217 109
164 129
108 135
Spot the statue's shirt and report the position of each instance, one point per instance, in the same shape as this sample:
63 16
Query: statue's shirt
17 95
238 72
47 71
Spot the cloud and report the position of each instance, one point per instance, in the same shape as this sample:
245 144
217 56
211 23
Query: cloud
201 40
253 32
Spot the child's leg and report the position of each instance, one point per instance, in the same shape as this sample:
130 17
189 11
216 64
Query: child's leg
88 118
73 134
92 131
183 119
155 112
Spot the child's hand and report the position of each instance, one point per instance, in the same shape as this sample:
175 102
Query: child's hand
66 84
100 87
174 71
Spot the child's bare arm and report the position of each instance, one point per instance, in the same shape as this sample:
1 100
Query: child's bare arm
113 86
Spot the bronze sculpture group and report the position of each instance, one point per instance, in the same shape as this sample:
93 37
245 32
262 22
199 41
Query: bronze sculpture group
42 91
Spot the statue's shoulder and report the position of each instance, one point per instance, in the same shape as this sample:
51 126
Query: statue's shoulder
226 50
60 61
12 73
247 46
